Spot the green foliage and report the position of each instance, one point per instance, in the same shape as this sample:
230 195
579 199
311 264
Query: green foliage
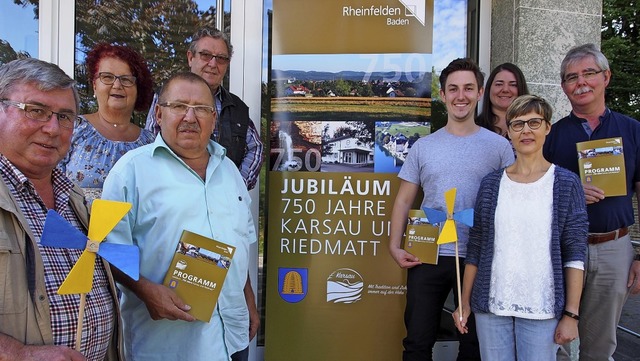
364 131
342 88
621 46
438 115
7 53
326 147
435 84
157 29
343 132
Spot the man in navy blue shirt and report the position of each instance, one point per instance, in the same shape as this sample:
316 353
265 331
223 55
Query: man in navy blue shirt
613 269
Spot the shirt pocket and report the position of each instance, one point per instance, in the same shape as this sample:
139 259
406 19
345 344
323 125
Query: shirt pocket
13 276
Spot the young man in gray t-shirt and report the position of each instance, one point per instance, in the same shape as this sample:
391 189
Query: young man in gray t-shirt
456 156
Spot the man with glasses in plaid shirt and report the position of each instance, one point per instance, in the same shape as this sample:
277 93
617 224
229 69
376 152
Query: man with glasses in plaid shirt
38 108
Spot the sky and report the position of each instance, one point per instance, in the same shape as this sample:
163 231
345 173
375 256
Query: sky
449 41
18 27
450 17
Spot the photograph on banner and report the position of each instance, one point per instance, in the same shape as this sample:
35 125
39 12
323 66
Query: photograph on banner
352 84
339 118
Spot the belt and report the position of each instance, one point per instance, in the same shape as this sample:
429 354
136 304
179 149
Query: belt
595 238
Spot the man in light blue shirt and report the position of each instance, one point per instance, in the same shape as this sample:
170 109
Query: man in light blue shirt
182 181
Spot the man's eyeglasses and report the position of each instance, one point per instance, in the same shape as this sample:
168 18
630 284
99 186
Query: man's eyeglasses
220 59
533 123
43 114
109 78
181 109
587 75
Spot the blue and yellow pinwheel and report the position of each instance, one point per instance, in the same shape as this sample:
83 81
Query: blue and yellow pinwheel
104 216
59 233
448 233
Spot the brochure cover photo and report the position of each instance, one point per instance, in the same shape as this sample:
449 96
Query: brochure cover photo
420 238
601 164
197 272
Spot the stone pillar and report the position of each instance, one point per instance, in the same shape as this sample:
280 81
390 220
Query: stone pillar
536 34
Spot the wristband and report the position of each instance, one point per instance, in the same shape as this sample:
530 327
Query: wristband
571 314
636 257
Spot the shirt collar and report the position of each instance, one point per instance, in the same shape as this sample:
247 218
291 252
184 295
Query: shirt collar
603 118
585 124
13 175
214 148
19 182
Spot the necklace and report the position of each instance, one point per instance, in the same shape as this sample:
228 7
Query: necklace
115 125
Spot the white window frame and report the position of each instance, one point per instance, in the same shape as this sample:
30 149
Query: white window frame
57 45
56 26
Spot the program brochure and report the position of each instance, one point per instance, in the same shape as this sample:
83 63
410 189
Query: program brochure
420 237
197 272
601 164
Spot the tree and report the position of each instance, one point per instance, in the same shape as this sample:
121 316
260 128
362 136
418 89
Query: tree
7 53
621 46
342 132
326 147
435 84
158 29
342 87
363 130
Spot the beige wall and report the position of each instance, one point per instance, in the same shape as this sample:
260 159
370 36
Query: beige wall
536 34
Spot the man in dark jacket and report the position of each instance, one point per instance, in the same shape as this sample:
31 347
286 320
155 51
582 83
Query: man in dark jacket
209 56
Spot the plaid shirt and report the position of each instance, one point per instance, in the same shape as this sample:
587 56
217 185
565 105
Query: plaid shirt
250 167
99 313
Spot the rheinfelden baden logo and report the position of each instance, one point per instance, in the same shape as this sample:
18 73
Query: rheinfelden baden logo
344 286
293 284
394 15
415 8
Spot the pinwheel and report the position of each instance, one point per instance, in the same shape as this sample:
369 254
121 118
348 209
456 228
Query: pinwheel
61 234
448 232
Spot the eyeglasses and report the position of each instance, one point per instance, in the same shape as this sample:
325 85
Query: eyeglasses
220 59
587 75
533 123
109 78
181 109
43 114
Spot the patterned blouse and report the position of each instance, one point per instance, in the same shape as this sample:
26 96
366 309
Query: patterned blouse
92 156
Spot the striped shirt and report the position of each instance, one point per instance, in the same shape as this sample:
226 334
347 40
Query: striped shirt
99 312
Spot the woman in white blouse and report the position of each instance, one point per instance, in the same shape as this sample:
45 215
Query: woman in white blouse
526 252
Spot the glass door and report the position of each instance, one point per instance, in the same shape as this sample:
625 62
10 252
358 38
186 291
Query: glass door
18 30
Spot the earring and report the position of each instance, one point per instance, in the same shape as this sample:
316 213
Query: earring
94 96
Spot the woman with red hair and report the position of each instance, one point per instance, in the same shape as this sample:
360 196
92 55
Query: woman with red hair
121 84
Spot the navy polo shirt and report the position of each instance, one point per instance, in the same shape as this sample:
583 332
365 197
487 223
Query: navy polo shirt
610 213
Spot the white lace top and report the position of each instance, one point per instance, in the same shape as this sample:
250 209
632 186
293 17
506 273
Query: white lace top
522 276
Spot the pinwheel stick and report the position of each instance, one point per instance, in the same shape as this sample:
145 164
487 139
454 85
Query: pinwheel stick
93 247
458 281
83 301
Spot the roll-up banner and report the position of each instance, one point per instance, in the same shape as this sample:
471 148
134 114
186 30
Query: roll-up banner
351 85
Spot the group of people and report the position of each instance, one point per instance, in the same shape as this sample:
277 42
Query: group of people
548 260
201 150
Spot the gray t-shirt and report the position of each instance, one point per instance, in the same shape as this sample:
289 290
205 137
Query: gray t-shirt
441 161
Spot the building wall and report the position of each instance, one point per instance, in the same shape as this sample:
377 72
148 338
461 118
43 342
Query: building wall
536 34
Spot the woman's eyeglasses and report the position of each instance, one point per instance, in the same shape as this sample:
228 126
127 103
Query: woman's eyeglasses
518 125
109 78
